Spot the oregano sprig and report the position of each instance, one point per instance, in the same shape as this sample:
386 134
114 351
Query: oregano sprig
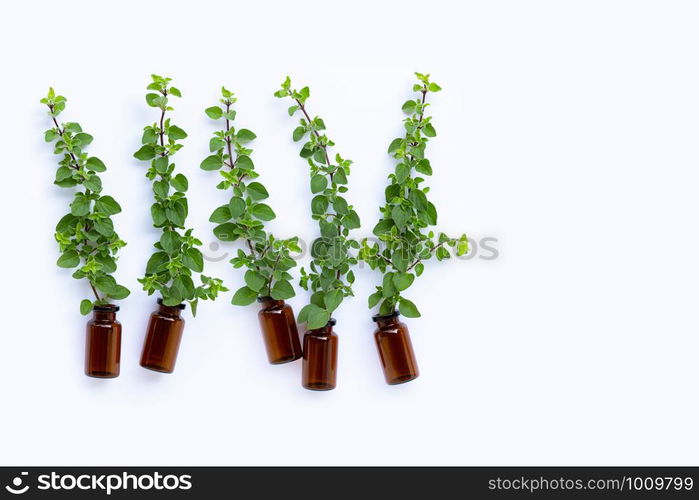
266 258
169 270
85 236
408 213
330 276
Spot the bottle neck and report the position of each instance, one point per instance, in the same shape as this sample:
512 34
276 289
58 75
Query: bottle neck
169 311
324 330
106 316
173 311
390 320
106 313
270 303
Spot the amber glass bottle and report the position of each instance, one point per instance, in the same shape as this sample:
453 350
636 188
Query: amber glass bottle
163 338
279 331
103 343
320 358
395 349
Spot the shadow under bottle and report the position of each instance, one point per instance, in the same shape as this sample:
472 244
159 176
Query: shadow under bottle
103 343
320 358
279 331
395 349
163 338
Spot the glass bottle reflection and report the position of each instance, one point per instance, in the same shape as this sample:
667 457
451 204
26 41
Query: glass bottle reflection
103 343
395 349
163 338
279 332
320 358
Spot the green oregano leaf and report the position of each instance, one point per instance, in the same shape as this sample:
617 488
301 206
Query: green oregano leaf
244 162
226 232
244 296
221 214
95 164
403 280
213 162
85 307
257 191
244 135
214 112
408 309
180 183
255 280
318 183
282 290
146 152
263 212
237 207
68 259
193 259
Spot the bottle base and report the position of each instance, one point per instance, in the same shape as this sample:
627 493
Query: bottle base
285 359
100 374
319 386
157 368
402 379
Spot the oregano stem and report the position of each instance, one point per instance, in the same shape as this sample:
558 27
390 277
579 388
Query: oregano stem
61 132
271 276
315 132
228 137
417 261
162 125
252 249
94 290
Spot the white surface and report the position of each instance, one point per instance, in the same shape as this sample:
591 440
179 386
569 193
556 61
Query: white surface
567 130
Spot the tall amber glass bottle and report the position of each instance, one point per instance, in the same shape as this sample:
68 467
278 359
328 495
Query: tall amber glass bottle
320 358
279 331
395 349
103 343
163 338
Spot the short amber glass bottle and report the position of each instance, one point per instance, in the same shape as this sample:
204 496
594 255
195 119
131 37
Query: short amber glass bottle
163 338
320 358
279 331
395 349
103 343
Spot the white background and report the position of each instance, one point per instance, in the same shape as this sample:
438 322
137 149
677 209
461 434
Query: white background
567 130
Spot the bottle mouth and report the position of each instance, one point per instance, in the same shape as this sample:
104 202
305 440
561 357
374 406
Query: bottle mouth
106 308
381 317
267 298
178 306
